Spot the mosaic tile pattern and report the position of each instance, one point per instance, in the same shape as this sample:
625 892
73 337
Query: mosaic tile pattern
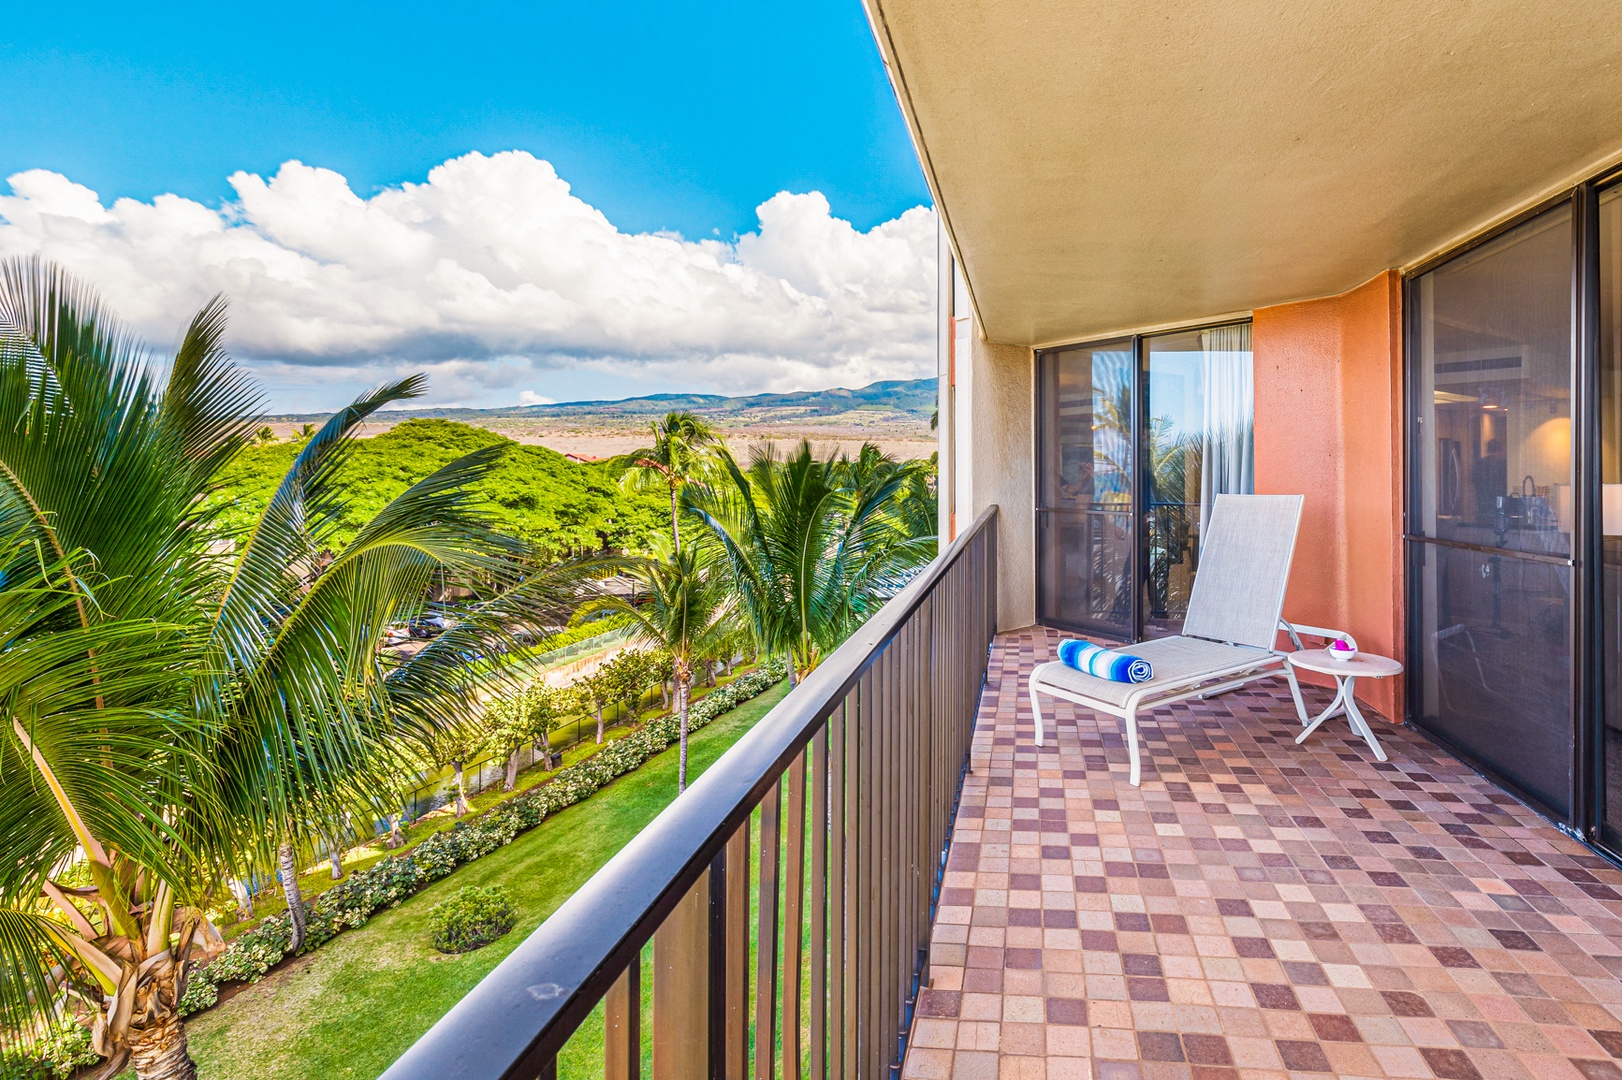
1256 909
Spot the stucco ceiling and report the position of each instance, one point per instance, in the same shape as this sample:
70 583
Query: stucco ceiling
1104 166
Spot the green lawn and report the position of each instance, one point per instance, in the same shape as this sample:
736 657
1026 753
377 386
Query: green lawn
351 1007
582 1058
318 879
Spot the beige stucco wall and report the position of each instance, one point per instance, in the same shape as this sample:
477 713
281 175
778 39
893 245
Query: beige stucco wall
1000 467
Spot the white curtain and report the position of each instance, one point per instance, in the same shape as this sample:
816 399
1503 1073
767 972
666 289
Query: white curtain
1229 465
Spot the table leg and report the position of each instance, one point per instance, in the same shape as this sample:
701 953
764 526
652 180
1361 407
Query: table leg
1336 708
1354 716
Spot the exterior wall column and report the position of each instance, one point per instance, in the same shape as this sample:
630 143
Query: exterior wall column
1329 425
995 402
987 456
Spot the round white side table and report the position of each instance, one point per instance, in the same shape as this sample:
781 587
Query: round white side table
1346 672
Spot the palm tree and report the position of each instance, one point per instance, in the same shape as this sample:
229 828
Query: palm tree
101 474
688 612
813 546
679 455
202 713
85 701
897 505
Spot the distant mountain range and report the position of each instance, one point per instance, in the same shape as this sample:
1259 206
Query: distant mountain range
905 402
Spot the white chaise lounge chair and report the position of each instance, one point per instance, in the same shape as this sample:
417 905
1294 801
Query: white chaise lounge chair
1229 636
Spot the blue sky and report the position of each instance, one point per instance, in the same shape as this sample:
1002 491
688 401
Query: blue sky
664 116
527 203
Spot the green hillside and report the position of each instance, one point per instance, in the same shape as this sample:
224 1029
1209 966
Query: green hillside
535 493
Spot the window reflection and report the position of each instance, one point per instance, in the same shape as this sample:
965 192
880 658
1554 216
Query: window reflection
1199 444
1088 407
1494 360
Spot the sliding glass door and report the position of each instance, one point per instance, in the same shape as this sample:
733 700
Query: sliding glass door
1514 525
1491 505
1135 438
1608 617
1086 499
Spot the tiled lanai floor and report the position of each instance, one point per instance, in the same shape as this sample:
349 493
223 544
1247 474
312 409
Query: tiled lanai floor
1256 908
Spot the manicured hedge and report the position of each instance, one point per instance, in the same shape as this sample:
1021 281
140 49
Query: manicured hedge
365 892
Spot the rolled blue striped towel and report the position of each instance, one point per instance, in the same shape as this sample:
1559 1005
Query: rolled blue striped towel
1102 663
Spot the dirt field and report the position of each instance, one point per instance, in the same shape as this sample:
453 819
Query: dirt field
604 442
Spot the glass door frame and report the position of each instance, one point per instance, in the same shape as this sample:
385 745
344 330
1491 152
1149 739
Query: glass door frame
1139 346
1045 514
1585 628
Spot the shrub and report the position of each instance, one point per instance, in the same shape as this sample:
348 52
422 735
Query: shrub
201 993
471 918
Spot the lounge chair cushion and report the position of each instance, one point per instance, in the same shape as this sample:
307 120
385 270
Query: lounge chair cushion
1175 659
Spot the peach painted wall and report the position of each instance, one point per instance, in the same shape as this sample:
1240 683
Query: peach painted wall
1329 426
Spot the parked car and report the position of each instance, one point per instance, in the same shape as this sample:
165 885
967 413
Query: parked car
429 626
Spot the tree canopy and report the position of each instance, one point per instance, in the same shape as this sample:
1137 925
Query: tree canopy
558 506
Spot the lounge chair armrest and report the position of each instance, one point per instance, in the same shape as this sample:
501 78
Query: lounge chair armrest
1295 630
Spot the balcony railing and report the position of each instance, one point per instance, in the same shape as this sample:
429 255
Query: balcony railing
787 894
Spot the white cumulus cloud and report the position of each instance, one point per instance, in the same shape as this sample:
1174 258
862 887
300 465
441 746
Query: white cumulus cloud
493 277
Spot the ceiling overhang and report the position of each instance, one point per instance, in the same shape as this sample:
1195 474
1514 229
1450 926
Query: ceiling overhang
1105 166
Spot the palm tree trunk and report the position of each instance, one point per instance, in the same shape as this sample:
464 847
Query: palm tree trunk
158 1050
682 680
675 521
461 790
295 898
511 778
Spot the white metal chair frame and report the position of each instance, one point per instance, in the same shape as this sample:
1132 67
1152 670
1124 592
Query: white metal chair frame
1156 694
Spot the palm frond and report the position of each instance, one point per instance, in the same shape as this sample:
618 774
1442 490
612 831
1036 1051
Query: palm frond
208 402
33 969
814 545
290 529
85 708
85 453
